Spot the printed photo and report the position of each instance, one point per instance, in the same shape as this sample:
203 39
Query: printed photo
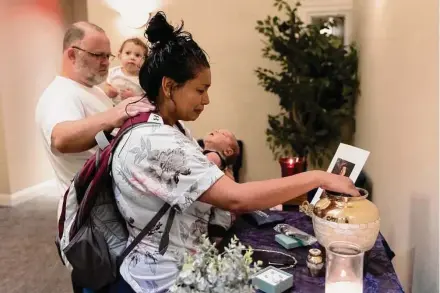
348 161
343 167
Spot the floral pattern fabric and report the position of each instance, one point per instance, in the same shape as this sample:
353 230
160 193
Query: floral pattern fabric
154 164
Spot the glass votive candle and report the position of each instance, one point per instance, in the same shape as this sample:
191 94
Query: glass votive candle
344 268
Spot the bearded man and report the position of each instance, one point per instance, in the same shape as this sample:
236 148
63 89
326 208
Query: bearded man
73 110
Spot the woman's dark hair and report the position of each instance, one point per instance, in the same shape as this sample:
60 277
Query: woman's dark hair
173 53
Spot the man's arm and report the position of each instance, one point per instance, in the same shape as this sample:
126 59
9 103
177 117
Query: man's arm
78 136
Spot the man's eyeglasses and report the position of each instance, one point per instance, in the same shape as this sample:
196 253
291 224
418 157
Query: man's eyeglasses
100 56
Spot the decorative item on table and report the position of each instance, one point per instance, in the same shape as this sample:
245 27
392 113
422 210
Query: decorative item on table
287 242
344 268
292 165
260 218
208 271
279 259
339 217
315 262
302 237
272 280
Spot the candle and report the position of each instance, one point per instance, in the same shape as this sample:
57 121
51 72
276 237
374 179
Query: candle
291 166
344 287
344 269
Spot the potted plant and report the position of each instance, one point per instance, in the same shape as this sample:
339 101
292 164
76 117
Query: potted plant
316 83
208 271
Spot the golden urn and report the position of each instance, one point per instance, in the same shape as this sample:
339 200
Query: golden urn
338 217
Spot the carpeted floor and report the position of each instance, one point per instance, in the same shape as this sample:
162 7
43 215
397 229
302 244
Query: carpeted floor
29 262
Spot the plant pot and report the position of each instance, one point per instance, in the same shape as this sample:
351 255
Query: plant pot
291 166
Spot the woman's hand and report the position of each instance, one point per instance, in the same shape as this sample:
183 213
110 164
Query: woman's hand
337 183
129 107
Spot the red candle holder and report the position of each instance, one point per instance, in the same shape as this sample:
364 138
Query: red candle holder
292 165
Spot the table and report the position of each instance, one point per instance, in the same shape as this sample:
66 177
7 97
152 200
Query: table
380 276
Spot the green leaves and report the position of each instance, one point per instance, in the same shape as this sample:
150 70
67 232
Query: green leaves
317 85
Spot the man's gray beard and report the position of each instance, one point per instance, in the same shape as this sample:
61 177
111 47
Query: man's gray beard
96 79
92 79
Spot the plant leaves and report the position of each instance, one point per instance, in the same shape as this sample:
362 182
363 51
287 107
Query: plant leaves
315 81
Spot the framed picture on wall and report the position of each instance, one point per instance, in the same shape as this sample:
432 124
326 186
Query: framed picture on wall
338 27
339 15
347 161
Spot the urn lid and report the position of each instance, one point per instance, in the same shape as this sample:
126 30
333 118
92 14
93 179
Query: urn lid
346 209
315 252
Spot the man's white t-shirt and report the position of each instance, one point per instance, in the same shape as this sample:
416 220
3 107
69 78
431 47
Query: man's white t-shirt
67 100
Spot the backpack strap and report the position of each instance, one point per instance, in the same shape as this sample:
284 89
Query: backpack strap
98 172
102 140
138 119
164 241
165 236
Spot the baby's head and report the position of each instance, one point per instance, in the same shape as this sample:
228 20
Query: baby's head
224 142
132 54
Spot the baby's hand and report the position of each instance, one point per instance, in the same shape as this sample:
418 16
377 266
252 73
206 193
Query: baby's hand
110 91
127 93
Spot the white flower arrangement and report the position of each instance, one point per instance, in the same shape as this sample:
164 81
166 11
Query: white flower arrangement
208 271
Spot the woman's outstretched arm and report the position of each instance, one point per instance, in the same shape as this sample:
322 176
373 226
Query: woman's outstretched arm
229 195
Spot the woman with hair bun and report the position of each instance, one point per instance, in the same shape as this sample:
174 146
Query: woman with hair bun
160 162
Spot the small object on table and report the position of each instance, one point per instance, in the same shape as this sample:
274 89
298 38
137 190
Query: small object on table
301 236
344 268
272 280
287 242
291 166
315 262
260 218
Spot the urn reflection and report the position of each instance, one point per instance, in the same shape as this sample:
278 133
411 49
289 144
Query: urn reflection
338 217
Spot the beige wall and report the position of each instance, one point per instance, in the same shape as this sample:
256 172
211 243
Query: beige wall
225 29
29 63
398 122
73 10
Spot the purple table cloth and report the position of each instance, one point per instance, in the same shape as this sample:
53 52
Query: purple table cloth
379 274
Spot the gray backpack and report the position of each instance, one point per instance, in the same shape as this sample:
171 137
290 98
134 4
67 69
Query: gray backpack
92 235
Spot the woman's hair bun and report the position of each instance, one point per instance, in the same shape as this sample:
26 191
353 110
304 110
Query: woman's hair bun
159 30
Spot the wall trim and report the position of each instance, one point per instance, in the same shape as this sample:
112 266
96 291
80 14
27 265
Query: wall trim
21 196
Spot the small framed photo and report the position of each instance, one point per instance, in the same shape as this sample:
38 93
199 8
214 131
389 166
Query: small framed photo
340 14
347 161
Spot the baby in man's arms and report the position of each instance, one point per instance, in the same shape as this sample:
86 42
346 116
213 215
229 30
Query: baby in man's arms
123 80
224 143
